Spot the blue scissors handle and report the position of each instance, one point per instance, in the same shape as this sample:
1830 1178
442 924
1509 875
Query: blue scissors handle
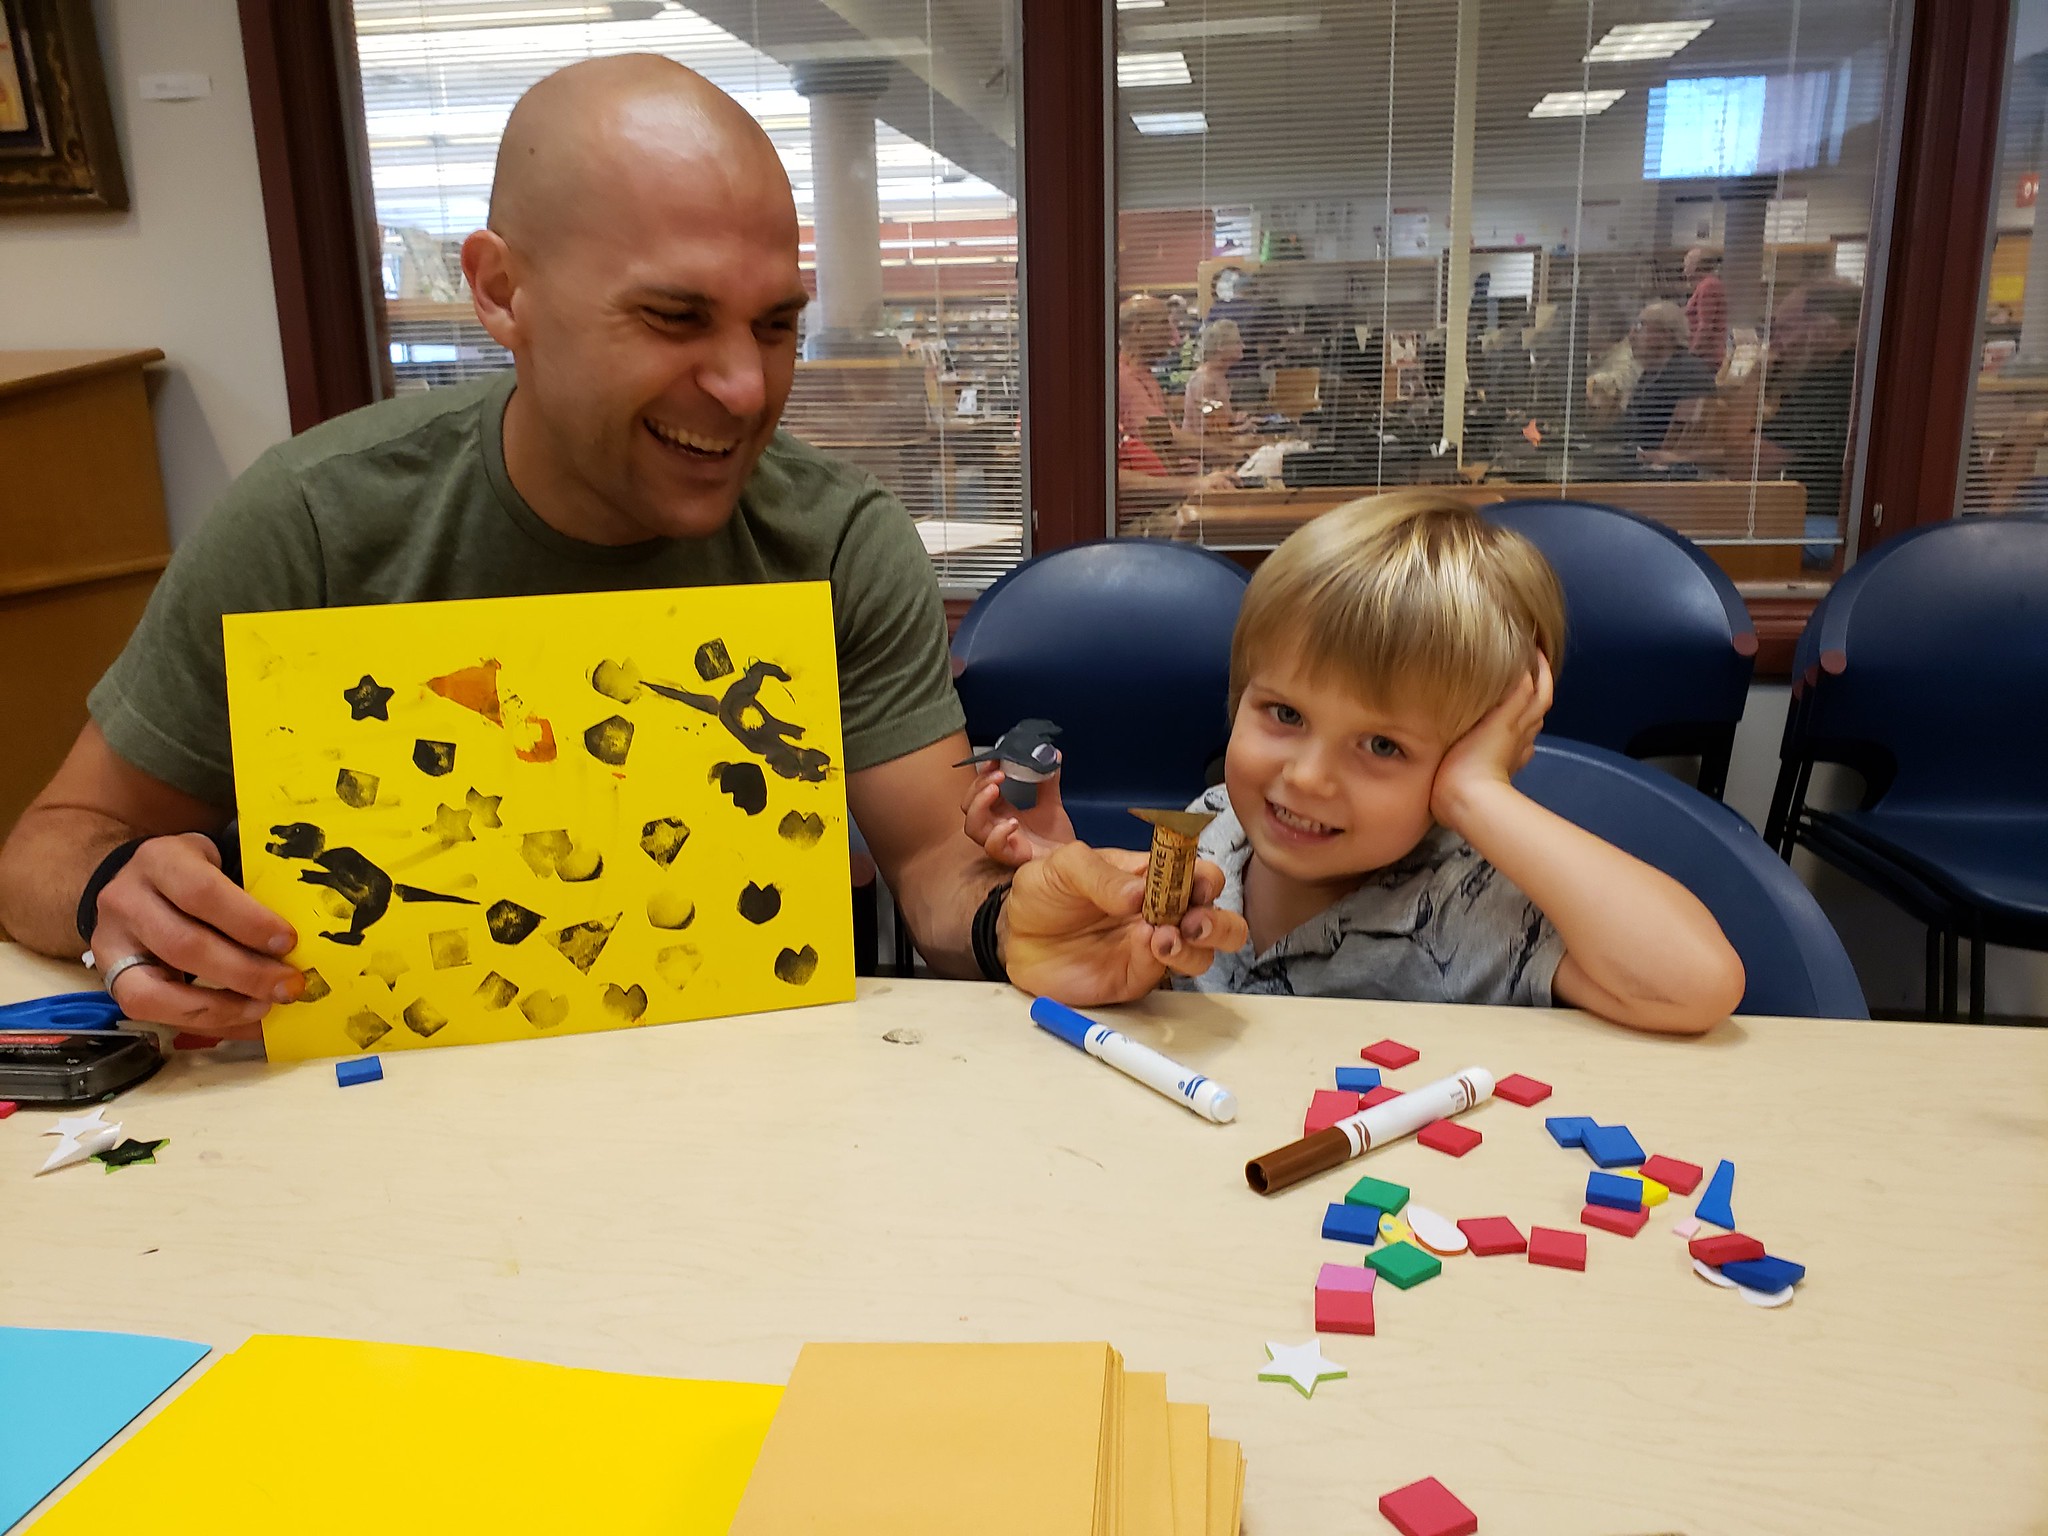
67 1010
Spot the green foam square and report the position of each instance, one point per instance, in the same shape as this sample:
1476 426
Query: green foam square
1389 1198
1404 1264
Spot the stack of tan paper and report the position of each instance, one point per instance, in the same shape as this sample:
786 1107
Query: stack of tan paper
998 1439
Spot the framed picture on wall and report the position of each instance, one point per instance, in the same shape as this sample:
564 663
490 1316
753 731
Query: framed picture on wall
57 147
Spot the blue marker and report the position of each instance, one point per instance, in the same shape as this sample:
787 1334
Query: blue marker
1207 1098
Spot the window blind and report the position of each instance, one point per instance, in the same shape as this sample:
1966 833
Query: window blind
1607 250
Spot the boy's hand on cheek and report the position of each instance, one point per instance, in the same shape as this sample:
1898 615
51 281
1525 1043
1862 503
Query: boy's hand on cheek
1486 757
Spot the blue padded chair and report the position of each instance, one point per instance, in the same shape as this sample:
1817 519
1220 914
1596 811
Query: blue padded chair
1125 644
1659 647
1794 960
1925 669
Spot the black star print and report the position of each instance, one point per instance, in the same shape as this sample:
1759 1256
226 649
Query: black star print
130 1152
367 699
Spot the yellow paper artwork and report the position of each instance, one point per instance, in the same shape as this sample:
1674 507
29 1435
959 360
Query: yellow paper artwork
510 817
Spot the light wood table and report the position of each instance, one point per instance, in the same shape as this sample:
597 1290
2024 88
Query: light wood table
701 1199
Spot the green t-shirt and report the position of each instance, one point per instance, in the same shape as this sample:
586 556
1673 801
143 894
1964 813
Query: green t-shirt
409 501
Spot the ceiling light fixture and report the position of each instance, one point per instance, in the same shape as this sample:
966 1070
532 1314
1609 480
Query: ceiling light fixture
1575 103
1644 40
1169 122
1143 69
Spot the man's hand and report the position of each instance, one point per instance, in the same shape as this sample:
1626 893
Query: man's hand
1493 751
1071 928
1009 835
172 903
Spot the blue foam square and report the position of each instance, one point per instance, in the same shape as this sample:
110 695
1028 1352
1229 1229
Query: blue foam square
1569 1130
1765 1274
1358 1079
1352 1224
1612 1146
359 1069
1614 1191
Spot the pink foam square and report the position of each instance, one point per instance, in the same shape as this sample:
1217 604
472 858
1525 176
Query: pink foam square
1328 1107
1517 1089
1344 1312
1345 1277
1560 1250
1390 1053
1449 1136
1681 1178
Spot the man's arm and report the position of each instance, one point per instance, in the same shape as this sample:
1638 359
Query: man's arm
909 812
170 901
1071 925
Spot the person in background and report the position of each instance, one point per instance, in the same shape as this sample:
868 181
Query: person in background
1673 380
1706 310
1807 437
1156 460
1219 349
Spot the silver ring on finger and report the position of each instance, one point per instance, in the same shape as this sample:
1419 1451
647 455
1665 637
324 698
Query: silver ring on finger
122 967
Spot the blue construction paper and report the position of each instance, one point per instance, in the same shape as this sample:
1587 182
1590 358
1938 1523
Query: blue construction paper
63 1395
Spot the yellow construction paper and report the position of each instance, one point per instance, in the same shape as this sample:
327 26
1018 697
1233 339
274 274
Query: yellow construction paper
327 1437
1226 1487
1147 1489
941 1439
1188 1442
544 815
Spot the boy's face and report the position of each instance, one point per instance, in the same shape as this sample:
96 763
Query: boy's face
1328 787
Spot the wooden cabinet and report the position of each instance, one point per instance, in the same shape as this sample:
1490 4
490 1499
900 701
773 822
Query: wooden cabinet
82 542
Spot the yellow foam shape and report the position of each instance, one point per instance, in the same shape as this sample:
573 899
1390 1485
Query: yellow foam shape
1653 1192
329 1437
1394 1230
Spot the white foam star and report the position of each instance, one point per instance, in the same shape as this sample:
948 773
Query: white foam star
71 1127
1302 1366
76 1149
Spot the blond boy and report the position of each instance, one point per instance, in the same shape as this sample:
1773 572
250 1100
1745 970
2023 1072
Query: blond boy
1389 673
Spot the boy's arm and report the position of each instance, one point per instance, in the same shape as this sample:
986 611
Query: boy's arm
1640 948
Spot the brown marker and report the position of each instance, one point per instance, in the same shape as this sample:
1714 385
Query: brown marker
1369 1128
1170 877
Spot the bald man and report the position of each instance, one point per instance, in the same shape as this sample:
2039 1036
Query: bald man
640 266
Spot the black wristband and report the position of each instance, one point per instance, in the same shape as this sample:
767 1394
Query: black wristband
986 953
99 880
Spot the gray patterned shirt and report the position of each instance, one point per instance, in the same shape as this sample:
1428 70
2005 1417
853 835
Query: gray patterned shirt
1438 926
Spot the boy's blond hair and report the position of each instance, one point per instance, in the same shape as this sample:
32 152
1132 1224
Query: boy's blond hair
1411 597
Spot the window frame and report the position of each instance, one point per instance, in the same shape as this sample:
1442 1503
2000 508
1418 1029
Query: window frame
305 103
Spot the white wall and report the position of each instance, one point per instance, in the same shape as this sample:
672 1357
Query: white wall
186 269
1888 948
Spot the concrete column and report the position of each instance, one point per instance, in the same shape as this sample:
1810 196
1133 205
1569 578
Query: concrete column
1458 286
845 208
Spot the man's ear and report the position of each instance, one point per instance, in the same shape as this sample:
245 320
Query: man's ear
487 265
